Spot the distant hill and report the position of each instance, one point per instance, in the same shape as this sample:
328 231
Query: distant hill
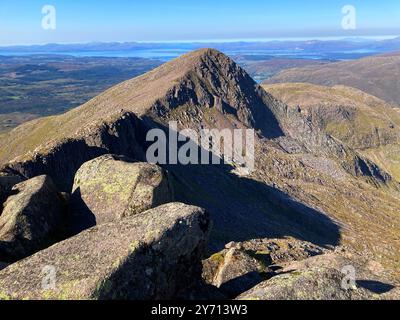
377 75
306 184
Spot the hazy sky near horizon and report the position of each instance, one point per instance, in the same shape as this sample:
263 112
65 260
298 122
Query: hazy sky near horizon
176 20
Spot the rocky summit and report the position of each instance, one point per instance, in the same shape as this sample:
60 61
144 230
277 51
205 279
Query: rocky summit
321 205
150 256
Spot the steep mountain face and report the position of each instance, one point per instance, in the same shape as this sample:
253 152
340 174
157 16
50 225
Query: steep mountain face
377 75
204 78
201 89
307 184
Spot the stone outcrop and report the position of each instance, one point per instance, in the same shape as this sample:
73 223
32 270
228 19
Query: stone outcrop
311 139
152 255
241 266
32 218
111 187
237 272
313 284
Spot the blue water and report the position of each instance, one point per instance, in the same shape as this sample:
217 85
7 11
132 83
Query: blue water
168 54
150 54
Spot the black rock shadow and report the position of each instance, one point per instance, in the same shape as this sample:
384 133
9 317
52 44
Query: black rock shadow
62 164
238 285
375 286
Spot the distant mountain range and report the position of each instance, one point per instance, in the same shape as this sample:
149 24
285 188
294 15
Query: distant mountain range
309 46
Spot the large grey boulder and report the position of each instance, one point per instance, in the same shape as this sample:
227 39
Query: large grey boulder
152 255
32 218
111 187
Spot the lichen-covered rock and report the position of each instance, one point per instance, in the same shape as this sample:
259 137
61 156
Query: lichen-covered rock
32 218
112 187
60 154
313 284
237 273
152 255
340 259
241 266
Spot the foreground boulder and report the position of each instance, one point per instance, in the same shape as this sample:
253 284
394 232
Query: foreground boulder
152 255
31 219
111 187
241 266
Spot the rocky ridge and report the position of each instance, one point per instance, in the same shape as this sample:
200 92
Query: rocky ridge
153 255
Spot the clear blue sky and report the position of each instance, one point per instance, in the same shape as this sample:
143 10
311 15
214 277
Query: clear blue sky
161 20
